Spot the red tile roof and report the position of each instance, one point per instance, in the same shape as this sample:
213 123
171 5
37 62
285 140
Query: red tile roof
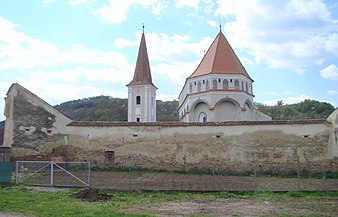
220 59
142 74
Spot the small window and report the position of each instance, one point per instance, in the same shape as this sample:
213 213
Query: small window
214 84
225 84
207 86
110 157
137 119
219 80
231 80
236 84
138 100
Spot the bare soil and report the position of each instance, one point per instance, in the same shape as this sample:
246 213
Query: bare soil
91 195
239 207
166 181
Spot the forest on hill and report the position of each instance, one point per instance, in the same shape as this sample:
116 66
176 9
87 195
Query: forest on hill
105 108
308 109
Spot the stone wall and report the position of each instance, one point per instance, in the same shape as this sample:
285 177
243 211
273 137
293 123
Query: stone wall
40 131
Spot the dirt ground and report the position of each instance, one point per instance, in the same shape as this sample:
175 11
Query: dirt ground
239 207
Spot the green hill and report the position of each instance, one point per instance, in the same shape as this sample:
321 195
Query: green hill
308 109
105 108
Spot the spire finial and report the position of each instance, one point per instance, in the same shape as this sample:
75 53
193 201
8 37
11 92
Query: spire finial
219 20
143 27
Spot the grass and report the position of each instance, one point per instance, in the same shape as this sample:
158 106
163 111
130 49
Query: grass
21 200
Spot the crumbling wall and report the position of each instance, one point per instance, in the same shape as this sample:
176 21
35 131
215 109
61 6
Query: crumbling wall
235 147
41 132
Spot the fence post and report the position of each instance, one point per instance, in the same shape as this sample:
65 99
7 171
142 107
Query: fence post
298 174
16 172
51 173
172 181
129 178
255 177
323 184
214 179
89 170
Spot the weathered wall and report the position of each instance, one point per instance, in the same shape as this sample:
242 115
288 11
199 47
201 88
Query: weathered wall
41 131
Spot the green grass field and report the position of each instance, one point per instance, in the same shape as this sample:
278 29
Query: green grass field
38 203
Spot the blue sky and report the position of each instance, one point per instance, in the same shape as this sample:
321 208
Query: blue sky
71 49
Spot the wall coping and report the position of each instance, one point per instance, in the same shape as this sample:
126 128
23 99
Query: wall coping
194 124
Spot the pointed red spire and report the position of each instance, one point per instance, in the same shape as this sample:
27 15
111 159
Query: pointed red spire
142 74
220 59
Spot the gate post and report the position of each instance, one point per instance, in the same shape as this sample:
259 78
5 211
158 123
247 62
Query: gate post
51 173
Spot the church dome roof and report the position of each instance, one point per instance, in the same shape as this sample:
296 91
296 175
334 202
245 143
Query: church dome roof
220 59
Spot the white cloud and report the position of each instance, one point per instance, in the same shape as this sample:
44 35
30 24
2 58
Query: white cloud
166 97
79 2
22 52
330 72
172 56
269 92
159 7
187 3
47 1
332 92
287 100
284 34
116 11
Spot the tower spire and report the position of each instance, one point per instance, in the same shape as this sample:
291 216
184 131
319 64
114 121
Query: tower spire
143 27
219 20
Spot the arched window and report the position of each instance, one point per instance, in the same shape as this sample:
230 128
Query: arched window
202 117
199 86
207 86
236 84
225 84
138 100
190 88
242 85
214 84
246 87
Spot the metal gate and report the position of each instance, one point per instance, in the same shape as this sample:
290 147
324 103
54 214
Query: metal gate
50 173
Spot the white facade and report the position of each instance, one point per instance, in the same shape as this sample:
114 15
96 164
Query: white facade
142 103
218 98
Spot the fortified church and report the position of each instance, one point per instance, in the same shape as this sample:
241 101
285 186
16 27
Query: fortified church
219 127
219 89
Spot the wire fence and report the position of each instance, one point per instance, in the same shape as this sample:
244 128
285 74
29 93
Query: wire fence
134 179
80 174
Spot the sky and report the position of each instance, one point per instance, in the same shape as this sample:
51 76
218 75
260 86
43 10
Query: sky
64 50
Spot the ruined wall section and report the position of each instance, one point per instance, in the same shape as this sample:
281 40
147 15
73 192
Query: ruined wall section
33 123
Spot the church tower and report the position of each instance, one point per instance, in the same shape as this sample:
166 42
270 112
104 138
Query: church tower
220 89
141 90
